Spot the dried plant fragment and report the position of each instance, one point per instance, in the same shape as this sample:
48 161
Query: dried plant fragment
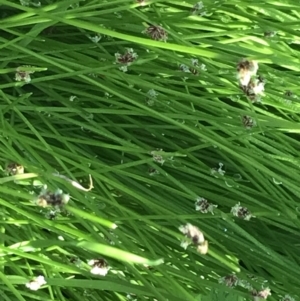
76 184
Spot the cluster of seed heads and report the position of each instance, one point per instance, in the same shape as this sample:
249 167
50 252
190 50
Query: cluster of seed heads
194 236
48 198
252 86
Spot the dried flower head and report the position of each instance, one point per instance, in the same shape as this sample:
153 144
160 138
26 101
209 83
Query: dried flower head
254 89
36 283
259 295
49 198
14 169
204 206
241 212
156 33
195 236
229 280
203 248
245 70
23 74
99 267
126 59
248 122
193 233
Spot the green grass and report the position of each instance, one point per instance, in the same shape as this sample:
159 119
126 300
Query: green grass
81 116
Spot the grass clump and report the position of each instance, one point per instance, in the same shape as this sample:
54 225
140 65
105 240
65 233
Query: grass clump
149 150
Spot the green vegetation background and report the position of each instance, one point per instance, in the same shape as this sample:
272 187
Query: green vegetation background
81 115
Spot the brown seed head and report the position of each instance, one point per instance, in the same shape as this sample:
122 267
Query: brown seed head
248 122
157 33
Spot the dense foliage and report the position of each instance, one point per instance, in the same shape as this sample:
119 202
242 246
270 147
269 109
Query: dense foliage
149 150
